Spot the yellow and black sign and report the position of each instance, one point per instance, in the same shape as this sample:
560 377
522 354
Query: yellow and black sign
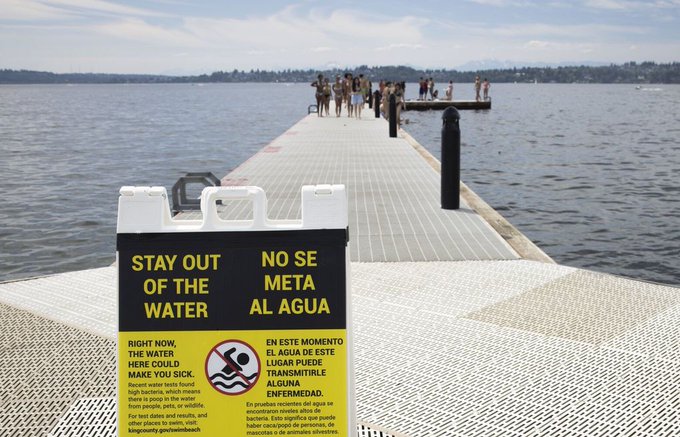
233 333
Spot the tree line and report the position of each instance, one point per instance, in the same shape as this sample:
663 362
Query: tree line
629 72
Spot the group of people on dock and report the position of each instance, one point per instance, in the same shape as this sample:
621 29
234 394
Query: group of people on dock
482 86
426 86
354 92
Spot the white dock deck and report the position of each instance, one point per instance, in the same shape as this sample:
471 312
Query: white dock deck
456 334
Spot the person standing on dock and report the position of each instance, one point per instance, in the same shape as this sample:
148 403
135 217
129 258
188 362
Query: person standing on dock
357 98
485 86
478 87
347 84
338 93
364 88
326 96
430 88
422 90
399 94
318 84
449 91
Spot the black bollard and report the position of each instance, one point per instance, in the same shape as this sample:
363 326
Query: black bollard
376 103
393 116
370 100
450 159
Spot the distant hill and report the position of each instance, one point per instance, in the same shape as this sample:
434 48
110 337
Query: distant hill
630 72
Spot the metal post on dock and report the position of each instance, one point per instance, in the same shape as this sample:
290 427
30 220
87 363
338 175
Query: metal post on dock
450 159
393 116
376 103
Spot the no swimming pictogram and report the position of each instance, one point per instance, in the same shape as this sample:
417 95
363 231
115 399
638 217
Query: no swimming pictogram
232 367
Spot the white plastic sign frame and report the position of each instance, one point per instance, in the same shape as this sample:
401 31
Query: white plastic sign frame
244 324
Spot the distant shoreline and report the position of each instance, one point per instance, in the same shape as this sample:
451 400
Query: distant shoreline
628 73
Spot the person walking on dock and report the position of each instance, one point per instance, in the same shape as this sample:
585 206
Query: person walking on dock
485 86
478 87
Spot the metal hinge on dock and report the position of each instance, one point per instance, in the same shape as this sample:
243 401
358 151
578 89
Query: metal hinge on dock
180 202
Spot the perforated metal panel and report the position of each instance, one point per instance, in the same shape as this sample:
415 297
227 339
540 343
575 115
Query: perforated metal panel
429 360
96 417
45 367
427 367
88 417
84 299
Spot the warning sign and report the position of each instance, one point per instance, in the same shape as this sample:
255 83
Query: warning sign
244 323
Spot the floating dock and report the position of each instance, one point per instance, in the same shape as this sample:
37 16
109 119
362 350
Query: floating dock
462 326
426 105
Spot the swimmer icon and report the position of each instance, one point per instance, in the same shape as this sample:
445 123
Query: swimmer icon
232 367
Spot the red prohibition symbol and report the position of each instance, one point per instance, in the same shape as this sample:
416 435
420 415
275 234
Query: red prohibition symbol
232 367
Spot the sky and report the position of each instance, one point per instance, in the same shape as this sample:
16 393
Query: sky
180 37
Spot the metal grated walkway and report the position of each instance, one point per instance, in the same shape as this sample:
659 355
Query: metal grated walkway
393 193
442 349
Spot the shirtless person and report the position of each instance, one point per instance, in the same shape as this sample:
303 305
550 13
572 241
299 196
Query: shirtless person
364 88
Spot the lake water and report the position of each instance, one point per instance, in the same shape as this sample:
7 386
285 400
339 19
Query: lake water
588 172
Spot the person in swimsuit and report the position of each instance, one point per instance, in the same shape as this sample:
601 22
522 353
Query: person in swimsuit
348 93
399 94
485 86
318 84
357 99
338 94
478 87
422 89
364 88
326 96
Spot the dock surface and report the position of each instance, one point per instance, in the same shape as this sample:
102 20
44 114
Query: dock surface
456 333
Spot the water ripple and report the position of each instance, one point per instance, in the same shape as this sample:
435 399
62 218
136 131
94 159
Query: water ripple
596 182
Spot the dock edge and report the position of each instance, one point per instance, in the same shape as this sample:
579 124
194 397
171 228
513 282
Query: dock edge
518 241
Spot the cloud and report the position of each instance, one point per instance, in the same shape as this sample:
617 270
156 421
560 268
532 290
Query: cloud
625 5
295 29
28 10
608 4
99 7
537 44
138 30
397 46
571 31
503 3
44 10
